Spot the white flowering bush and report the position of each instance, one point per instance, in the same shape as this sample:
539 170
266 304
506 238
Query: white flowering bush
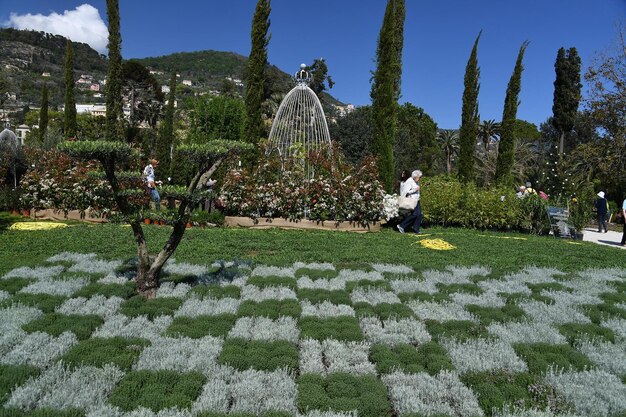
141 326
487 299
617 325
393 332
422 394
504 286
373 296
60 387
479 355
412 285
534 275
184 269
39 349
585 286
273 271
98 305
325 309
610 357
557 313
331 356
593 392
254 293
172 290
194 307
16 315
349 275
429 310
322 284
526 332
181 354
390 206
65 287
95 266
249 391
263 328
320 266
40 272
112 278
393 269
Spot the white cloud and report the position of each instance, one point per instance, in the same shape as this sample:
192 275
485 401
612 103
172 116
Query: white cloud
83 24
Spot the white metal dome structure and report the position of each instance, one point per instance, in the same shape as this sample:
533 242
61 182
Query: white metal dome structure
300 125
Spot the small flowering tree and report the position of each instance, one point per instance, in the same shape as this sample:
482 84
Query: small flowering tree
205 158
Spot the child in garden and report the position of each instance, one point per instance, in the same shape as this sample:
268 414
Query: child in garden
148 173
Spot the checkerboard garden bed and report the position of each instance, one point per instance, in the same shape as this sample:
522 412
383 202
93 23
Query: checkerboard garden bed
316 340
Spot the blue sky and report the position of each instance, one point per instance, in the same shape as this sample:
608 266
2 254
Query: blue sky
438 39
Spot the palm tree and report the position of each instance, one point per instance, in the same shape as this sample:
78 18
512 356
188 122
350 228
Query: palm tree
449 140
488 131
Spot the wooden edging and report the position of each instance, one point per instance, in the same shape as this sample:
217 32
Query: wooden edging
264 223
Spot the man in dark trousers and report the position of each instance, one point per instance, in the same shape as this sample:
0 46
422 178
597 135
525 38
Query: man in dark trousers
602 209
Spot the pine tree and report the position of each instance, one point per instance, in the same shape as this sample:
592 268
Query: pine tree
470 118
43 114
70 126
386 89
506 149
567 94
256 78
166 136
114 115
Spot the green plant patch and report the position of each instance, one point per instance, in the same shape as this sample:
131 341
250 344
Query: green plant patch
575 331
98 351
429 357
472 289
179 279
457 329
41 412
344 392
261 355
197 327
620 286
384 311
216 414
140 306
340 328
55 324
12 376
216 291
487 315
354 266
517 297
548 286
270 308
124 291
405 297
597 313
316 273
271 281
366 283
614 297
13 285
541 356
44 302
157 390
495 389
316 296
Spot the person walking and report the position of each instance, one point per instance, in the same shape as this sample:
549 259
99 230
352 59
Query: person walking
412 190
624 232
602 208
404 175
148 173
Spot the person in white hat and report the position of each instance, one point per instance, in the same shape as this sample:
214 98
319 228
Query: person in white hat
602 209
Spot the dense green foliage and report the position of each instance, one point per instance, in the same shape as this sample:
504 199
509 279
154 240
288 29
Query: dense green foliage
166 131
429 357
470 118
157 390
506 149
43 114
120 351
261 355
196 327
270 308
256 73
12 376
385 90
567 94
416 145
114 115
55 324
139 306
338 328
542 356
69 124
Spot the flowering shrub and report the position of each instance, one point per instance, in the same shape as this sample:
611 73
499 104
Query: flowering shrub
338 192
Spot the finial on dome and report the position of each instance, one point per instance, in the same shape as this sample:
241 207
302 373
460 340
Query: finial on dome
303 77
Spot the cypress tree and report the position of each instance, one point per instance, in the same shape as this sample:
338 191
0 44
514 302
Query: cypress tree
114 115
567 94
386 89
256 73
43 114
166 137
470 118
506 149
70 126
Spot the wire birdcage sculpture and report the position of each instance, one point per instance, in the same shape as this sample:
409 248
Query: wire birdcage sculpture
300 125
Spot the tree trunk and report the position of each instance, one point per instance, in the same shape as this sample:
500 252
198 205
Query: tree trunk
562 143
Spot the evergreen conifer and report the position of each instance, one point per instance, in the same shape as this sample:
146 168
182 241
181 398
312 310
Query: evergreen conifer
470 118
69 124
114 114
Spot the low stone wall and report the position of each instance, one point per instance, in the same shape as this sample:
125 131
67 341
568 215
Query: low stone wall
51 214
264 223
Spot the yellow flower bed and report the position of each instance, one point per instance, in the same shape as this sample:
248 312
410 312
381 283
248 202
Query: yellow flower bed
36 226
436 244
